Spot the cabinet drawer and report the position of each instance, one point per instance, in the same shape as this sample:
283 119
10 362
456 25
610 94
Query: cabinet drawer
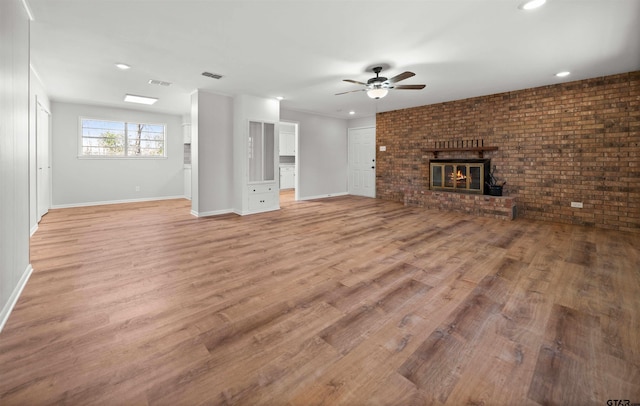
253 189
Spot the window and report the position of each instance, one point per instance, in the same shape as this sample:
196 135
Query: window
102 138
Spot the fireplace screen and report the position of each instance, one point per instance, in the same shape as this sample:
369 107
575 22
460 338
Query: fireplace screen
462 175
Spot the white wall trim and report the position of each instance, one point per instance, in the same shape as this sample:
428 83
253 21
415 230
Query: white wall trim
33 230
13 299
144 199
324 196
211 213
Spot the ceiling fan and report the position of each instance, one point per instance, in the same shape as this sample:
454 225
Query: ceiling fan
379 86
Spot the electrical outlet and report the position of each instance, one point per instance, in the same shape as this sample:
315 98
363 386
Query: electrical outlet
577 205
383 148
137 188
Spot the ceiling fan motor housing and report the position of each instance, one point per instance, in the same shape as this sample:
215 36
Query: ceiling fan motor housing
378 80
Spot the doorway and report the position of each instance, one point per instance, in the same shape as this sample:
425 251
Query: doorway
362 161
288 163
43 164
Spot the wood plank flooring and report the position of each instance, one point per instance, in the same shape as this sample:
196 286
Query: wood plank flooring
339 301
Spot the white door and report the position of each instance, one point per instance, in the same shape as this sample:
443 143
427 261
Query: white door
362 161
43 174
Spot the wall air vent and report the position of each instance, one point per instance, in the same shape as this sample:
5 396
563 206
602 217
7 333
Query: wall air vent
158 82
211 75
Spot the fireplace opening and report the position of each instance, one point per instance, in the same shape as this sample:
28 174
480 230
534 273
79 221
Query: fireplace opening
459 175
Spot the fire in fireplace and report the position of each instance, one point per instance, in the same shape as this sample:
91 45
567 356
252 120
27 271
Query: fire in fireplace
459 175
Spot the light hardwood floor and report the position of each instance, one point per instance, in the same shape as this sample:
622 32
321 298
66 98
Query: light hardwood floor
344 300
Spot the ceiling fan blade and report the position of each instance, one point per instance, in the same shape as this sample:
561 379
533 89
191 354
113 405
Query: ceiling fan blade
402 76
410 87
354 81
351 91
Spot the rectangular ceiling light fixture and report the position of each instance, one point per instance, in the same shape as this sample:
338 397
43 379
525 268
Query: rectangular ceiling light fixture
139 99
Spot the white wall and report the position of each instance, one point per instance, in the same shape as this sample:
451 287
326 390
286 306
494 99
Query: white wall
78 182
14 154
211 153
322 154
362 122
36 93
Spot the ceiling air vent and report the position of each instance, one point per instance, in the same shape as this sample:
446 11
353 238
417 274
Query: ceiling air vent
158 82
211 75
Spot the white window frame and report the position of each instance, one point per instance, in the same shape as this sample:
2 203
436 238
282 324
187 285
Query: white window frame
81 154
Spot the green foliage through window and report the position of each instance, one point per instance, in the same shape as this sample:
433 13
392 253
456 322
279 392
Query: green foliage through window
122 139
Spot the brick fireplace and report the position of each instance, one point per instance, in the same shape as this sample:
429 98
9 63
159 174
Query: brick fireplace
571 142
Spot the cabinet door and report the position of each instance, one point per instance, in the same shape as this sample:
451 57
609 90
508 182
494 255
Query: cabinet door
261 201
287 143
287 178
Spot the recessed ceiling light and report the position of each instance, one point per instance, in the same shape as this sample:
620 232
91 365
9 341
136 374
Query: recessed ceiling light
279 98
352 112
139 99
532 4
122 66
563 74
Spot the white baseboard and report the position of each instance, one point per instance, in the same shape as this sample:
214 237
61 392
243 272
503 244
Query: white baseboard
246 213
323 196
13 299
211 213
144 199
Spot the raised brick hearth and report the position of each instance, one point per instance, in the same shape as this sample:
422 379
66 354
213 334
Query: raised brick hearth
500 207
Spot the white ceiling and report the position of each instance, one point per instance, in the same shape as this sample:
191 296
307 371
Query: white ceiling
303 49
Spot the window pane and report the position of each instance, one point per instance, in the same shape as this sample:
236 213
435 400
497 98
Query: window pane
114 138
145 139
102 138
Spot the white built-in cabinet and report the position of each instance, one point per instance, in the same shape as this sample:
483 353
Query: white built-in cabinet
260 192
255 154
287 139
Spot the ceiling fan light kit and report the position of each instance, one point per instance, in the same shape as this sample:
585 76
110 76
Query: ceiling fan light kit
377 93
379 86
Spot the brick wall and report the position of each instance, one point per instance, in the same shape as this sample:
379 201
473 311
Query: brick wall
576 141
